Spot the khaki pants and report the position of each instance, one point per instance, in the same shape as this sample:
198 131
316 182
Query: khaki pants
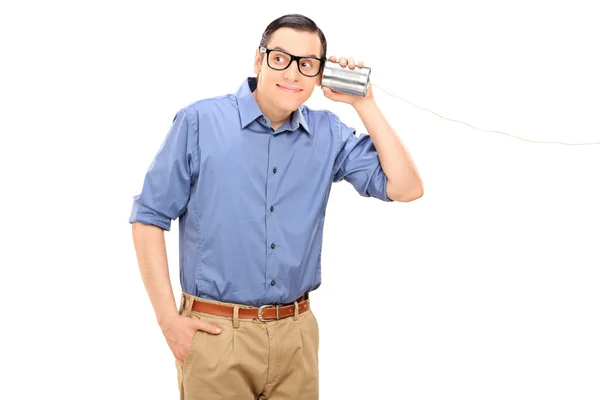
251 359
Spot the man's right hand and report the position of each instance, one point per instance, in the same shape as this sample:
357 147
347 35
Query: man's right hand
179 332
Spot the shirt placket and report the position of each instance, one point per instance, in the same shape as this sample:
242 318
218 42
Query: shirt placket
273 180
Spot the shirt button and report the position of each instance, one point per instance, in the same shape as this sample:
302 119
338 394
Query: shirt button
264 121
272 208
272 245
272 283
274 170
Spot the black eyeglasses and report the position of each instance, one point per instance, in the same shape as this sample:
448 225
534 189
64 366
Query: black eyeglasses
280 60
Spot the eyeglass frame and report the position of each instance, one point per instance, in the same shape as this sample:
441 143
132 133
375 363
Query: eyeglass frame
265 50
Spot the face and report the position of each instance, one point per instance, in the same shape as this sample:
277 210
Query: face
272 83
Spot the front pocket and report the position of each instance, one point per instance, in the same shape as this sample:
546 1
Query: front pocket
190 349
197 347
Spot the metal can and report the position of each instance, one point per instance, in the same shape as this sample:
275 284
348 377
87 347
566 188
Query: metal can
343 79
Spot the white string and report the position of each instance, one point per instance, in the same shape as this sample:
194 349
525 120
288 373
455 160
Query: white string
485 130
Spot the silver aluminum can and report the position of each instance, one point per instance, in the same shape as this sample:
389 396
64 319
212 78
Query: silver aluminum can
343 79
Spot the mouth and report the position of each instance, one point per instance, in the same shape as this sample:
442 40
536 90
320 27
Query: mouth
289 89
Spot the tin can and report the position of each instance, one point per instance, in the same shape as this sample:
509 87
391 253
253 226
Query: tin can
343 79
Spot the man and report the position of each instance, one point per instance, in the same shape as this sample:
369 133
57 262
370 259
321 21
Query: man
249 176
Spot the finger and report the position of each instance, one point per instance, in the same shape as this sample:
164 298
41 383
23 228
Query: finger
208 328
361 64
351 62
332 58
343 61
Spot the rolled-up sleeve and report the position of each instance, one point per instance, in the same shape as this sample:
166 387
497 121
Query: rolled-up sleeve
167 184
357 161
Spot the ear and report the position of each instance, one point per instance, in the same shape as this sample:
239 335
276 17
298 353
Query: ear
257 63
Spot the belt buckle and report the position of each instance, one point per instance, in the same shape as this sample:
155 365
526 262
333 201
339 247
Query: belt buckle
260 312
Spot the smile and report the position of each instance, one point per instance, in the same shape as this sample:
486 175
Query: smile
285 89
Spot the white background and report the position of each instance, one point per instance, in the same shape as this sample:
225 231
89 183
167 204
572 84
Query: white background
485 288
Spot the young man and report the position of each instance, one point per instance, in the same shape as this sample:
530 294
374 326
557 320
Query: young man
249 176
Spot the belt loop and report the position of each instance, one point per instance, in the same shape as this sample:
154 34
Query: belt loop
188 301
295 310
236 316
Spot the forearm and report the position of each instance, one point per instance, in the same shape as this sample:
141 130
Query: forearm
149 242
404 182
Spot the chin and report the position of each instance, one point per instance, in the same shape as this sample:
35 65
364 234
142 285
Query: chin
289 105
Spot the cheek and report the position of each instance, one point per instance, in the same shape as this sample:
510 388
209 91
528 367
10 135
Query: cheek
306 94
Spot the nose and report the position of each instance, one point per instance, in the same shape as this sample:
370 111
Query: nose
292 72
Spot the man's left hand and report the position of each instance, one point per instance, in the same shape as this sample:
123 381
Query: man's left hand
344 97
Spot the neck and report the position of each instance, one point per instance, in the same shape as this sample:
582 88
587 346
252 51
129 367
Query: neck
275 115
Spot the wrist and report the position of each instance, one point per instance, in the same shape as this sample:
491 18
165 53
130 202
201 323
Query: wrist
364 105
165 319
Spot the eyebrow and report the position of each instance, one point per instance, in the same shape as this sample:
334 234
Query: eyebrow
282 49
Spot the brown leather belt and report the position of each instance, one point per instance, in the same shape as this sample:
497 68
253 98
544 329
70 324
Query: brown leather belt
263 313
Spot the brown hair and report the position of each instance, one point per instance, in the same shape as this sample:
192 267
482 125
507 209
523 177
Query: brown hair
297 22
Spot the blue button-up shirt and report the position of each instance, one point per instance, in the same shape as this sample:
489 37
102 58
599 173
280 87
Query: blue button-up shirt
250 200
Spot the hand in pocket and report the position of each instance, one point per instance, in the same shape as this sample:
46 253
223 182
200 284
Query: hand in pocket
179 331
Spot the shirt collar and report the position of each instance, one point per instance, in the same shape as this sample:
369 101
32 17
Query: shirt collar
249 110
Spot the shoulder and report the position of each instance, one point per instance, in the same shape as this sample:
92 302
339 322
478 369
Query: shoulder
327 120
204 113
210 106
322 119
